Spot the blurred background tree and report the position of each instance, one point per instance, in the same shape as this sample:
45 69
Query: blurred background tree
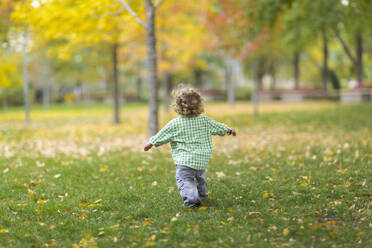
104 51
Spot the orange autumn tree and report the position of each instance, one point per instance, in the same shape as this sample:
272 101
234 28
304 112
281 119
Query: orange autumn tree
180 46
227 24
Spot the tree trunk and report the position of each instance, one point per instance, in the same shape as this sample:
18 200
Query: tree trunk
139 87
255 97
115 77
198 78
167 91
256 86
359 58
46 95
260 72
45 79
25 88
296 69
325 60
5 100
230 86
152 67
273 75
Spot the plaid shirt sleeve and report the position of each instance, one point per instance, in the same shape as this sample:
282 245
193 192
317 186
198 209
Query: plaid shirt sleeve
164 135
217 128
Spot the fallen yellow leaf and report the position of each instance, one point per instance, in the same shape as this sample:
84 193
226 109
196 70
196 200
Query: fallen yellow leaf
203 208
332 234
314 227
265 195
149 243
41 201
104 169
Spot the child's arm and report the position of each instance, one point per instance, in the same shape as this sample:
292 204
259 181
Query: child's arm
164 136
220 129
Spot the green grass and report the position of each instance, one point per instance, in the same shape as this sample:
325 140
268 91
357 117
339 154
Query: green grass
296 176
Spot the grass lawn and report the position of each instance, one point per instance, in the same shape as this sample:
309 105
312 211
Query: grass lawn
299 175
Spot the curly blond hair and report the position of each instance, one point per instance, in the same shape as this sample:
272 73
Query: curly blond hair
188 102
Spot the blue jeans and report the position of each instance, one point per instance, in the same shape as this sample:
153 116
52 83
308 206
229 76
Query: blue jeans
192 184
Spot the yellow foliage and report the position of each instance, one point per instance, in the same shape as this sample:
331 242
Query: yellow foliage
7 68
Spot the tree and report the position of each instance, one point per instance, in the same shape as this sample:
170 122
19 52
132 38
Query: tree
151 40
321 16
72 25
177 59
7 70
227 22
354 20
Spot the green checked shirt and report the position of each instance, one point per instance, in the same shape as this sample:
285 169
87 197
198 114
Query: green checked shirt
190 139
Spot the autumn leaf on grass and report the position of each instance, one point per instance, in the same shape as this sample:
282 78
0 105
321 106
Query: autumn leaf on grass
147 222
104 169
3 230
254 214
203 208
40 164
265 195
361 183
220 174
285 231
306 179
41 201
114 227
150 243
314 227
30 192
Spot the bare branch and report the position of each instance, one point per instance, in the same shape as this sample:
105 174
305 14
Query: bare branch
345 47
158 4
134 14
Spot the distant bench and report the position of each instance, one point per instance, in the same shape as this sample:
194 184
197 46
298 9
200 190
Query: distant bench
297 95
358 95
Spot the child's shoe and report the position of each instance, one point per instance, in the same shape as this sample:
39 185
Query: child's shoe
193 205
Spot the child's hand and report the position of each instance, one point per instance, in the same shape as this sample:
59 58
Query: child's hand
231 131
147 147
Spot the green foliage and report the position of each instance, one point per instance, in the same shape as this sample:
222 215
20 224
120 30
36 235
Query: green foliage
334 80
